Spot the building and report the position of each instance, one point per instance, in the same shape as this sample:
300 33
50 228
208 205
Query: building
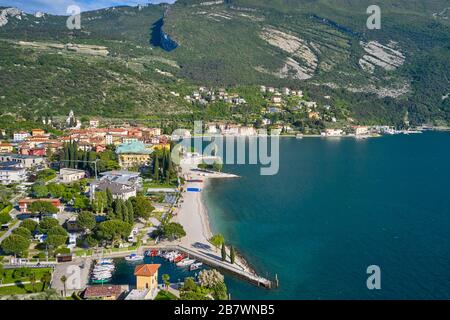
11 172
361 130
20 136
37 132
94 123
146 282
128 178
332 133
24 204
6 147
118 190
133 154
26 161
107 292
67 175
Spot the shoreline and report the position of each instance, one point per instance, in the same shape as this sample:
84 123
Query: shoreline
193 215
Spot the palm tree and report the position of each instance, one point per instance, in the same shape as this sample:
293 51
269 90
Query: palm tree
45 279
63 280
32 278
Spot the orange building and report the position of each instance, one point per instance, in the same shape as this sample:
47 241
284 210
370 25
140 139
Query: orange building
147 276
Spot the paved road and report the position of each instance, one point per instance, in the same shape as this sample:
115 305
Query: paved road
10 230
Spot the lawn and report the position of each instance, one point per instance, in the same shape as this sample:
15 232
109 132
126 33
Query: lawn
165 295
21 289
22 274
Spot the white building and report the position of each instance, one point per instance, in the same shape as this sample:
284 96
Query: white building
67 175
20 136
12 174
94 123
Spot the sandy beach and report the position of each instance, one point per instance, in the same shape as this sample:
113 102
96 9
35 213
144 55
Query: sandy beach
193 215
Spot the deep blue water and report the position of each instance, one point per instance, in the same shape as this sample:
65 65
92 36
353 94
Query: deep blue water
336 207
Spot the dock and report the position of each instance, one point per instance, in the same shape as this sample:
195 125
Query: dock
227 267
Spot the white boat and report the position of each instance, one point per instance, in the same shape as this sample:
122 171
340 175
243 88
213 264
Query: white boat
185 262
102 276
195 266
105 261
134 257
299 136
99 269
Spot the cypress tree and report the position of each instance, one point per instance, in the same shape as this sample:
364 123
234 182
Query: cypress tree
232 255
224 252
156 169
109 200
124 211
118 209
130 212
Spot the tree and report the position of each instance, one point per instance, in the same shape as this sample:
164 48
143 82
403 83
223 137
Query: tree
15 244
32 279
29 224
81 202
56 236
86 220
156 168
172 231
46 224
113 230
41 207
45 279
142 207
63 280
100 202
39 190
166 280
232 255
24 232
5 218
130 210
224 252
217 240
109 199
210 278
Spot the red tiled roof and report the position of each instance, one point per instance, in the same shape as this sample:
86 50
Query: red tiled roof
102 291
146 270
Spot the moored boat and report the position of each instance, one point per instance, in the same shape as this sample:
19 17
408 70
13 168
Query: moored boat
195 266
134 257
185 262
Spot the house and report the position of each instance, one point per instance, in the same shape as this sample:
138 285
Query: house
12 172
361 130
146 276
67 175
332 133
20 136
146 282
118 190
94 123
133 154
24 204
37 132
25 160
6 147
128 178
107 292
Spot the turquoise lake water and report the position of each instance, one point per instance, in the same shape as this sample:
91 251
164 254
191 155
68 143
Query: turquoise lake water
336 207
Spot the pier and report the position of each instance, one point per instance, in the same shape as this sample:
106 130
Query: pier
227 267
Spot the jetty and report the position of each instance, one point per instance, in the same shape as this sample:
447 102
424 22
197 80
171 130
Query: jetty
213 261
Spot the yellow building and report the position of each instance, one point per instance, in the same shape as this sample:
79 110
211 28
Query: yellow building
6 147
147 276
130 160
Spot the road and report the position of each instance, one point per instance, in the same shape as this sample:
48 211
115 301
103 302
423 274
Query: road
10 230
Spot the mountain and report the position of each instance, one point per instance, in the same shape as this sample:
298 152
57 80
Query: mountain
132 57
